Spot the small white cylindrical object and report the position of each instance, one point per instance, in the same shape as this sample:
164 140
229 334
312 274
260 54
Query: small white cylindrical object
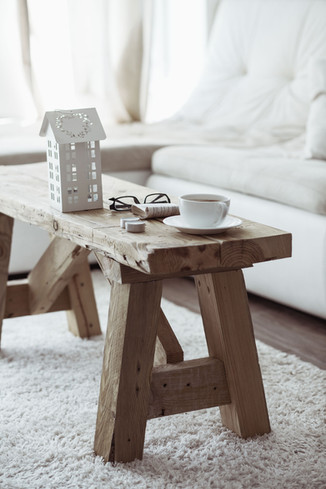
135 227
124 220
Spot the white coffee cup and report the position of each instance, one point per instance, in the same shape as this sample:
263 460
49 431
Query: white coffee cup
203 210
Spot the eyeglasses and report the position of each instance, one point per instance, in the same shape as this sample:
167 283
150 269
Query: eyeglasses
125 202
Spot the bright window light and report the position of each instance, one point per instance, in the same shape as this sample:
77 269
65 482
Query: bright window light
178 49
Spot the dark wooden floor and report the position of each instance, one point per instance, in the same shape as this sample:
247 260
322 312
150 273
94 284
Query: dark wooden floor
281 327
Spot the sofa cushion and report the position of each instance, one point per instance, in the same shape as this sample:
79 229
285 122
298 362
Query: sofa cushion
315 146
260 172
255 82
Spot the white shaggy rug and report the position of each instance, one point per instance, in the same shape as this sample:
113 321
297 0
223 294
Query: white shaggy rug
48 400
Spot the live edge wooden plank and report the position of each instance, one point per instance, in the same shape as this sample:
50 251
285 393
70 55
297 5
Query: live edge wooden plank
160 250
188 386
164 251
123 274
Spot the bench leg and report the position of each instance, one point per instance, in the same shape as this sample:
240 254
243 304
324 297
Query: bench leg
126 375
6 226
64 263
230 338
83 318
168 348
58 264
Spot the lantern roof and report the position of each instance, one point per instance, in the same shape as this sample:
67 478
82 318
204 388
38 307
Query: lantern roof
73 126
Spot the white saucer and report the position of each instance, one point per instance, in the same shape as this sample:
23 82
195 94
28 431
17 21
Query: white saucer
177 222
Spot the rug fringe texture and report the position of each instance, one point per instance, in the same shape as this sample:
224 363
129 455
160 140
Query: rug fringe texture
49 388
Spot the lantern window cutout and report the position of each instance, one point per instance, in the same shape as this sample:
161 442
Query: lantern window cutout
74 158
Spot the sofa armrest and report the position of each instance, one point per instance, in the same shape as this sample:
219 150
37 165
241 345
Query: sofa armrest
127 157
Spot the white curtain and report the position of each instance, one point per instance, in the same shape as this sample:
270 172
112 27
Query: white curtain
16 100
175 54
132 59
77 47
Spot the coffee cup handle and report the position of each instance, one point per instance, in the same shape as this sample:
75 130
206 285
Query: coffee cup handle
225 209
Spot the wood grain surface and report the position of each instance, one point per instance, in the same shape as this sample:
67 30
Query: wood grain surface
160 250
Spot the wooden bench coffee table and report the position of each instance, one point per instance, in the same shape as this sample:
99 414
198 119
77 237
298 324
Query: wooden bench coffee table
132 389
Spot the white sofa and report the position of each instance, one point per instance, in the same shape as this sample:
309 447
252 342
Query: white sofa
253 129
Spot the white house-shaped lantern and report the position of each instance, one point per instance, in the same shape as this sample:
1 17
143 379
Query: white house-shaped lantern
74 158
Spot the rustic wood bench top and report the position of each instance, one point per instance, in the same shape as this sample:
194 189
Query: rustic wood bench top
161 250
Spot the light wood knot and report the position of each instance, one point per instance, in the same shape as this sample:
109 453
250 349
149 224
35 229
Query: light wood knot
55 225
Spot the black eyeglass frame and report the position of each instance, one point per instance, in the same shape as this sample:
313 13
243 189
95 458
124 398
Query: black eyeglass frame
119 205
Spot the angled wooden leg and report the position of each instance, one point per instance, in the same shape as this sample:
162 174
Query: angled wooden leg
126 375
63 264
168 348
58 264
160 357
6 225
230 338
83 318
